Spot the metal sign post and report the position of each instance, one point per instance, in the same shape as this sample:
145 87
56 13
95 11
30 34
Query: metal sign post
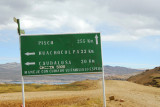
19 32
47 54
23 95
103 83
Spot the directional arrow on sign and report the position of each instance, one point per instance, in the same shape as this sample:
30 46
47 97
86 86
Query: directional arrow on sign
30 63
96 37
30 53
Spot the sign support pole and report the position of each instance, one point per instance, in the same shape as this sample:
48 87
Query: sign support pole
19 32
103 80
23 95
103 83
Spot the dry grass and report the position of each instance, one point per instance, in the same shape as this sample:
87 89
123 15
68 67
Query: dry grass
76 86
134 95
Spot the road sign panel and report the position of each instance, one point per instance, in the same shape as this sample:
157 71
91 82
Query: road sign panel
61 53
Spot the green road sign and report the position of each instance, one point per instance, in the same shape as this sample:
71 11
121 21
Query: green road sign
61 53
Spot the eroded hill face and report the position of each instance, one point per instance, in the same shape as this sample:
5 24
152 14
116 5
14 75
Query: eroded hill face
149 77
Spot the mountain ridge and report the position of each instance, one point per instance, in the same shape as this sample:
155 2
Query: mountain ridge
12 72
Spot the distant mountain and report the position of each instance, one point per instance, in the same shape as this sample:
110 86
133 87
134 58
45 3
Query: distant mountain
12 72
148 77
117 70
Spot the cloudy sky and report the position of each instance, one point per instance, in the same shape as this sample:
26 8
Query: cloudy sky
130 29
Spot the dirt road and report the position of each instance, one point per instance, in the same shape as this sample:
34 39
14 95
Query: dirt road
131 94
134 95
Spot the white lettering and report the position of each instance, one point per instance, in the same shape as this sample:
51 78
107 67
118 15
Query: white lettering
45 43
51 63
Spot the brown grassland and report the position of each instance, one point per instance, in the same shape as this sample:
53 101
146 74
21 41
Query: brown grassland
86 93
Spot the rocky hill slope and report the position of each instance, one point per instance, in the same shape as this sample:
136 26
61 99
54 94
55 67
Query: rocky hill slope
148 77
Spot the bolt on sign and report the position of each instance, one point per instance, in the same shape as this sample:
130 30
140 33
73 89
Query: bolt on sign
61 53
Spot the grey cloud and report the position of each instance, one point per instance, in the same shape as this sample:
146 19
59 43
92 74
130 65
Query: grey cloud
11 8
139 7
131 16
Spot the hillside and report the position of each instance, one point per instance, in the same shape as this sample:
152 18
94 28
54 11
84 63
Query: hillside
148 77
118 70
10 71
